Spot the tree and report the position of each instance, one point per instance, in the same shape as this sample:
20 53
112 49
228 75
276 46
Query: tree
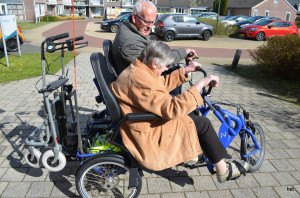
223 7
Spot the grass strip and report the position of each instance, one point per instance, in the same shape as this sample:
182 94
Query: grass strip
31 25
30 65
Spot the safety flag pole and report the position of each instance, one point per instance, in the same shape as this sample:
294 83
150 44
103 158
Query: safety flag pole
75 91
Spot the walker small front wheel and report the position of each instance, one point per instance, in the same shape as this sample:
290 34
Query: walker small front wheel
48 157
35 161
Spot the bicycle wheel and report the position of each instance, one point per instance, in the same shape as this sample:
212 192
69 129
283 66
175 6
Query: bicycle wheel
105 177
247 145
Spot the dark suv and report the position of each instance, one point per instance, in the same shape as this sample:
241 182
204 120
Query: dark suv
171 26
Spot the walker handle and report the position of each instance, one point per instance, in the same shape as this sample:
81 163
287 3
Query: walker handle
60 36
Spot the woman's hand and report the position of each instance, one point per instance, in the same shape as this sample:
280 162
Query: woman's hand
205 82
191 67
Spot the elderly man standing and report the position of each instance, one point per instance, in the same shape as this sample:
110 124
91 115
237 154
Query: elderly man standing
133 37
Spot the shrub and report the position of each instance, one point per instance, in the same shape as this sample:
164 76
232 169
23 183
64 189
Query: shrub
98 17
70 17
222 29
279 56
49 18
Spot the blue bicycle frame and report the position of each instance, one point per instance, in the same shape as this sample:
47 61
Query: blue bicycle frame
228 131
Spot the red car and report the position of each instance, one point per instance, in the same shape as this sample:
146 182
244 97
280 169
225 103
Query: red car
269 28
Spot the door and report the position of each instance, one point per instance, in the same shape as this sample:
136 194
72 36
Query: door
3 9
272 29
178 24
192 26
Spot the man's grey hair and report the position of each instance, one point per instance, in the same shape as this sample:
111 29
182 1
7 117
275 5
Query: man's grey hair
159 53
139 6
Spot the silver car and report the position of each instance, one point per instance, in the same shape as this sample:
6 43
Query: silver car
171 26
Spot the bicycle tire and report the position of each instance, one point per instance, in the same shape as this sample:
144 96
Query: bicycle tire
247 145
112 178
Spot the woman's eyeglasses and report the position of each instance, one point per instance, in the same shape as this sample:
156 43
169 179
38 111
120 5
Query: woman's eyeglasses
145 21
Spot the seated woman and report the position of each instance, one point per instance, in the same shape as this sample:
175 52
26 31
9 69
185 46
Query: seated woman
181 135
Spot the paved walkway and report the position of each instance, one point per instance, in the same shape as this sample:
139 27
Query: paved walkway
21 110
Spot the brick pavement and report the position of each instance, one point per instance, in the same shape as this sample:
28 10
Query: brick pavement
20 110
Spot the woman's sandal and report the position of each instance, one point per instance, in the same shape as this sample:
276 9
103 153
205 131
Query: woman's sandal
235 170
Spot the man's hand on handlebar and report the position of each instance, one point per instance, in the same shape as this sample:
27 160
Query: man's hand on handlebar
191 67
207 82
191 53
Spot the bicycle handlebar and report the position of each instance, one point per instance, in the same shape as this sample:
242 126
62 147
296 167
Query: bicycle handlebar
213 82
201 70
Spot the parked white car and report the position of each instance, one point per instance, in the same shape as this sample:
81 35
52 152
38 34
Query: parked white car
234 19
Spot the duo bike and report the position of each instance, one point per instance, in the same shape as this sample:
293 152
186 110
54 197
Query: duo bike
107 168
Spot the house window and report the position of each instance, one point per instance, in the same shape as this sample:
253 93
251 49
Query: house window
60 9
179 10
276 1
163 10
288 16
255 12
112 0
267 13
16 9
97 2
41 9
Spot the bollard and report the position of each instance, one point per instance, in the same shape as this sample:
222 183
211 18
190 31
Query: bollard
236 58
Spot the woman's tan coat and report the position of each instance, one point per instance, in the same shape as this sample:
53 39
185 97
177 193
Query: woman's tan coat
162 143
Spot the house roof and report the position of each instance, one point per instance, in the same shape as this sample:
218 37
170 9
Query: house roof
205 3
232 3
243 3
294 2
173 3
240 3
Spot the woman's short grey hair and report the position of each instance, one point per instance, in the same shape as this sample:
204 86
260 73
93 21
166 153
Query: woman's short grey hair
139 6
159 53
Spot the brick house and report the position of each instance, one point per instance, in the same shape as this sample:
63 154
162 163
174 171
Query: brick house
284 9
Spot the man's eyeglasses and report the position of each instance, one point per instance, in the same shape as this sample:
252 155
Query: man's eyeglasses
145 21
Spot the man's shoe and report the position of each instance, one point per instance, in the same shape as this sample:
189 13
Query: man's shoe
235 170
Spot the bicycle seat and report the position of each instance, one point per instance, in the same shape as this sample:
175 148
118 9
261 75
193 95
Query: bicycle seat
105 77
